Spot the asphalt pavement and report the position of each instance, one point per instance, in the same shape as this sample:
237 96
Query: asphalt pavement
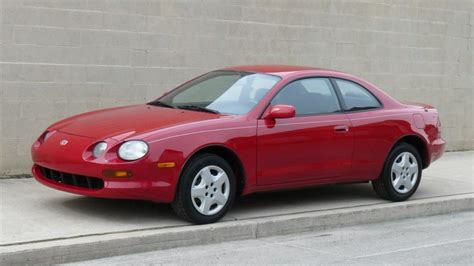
443 240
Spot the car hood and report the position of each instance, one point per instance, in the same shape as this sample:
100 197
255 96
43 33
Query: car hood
122 122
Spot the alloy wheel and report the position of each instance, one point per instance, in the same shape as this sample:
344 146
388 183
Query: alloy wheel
210 190
404 173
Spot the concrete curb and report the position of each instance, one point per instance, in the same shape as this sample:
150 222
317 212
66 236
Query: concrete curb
97 246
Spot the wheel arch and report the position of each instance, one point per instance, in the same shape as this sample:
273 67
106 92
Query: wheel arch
420 145
227 154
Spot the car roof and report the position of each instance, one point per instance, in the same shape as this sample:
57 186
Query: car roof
277 69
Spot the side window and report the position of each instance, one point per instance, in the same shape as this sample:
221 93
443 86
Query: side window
309 96
355 96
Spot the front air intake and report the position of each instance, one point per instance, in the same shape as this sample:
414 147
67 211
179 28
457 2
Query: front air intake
72 179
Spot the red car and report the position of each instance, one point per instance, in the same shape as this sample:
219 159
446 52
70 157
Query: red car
242 130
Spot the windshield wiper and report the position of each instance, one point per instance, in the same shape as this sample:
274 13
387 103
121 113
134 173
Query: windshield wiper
358 108
162 104
198 108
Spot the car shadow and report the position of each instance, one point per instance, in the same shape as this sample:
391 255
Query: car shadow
301 200
118 209
245 207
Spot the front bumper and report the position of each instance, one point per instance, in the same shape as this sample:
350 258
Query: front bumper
146 182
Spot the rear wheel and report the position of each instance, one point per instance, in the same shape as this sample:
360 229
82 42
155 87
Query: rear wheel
401 174
206 189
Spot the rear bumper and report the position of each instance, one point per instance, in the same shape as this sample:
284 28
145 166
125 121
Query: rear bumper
437 148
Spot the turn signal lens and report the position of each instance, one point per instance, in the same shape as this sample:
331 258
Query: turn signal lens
117 173
166 165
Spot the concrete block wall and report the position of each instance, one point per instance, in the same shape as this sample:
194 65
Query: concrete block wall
63 57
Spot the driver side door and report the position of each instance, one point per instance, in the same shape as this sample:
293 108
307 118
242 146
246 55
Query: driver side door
314 145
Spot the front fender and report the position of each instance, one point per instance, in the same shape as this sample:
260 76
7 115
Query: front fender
180 147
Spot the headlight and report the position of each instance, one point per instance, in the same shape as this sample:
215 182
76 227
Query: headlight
99 149
133 150
46 135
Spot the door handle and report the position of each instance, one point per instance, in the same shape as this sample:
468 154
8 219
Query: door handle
341 129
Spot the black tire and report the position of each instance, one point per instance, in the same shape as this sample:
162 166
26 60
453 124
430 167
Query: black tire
183 202
383 185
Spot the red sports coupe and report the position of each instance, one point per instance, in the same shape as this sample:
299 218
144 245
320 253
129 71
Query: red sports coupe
242 130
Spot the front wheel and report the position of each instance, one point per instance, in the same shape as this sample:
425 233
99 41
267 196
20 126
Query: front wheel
401 174
206 189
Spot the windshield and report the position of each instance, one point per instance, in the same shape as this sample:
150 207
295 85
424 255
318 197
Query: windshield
226 92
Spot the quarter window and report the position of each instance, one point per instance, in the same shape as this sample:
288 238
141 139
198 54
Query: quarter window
356 97
309 96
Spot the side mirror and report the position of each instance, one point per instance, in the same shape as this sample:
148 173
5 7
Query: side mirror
281 111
